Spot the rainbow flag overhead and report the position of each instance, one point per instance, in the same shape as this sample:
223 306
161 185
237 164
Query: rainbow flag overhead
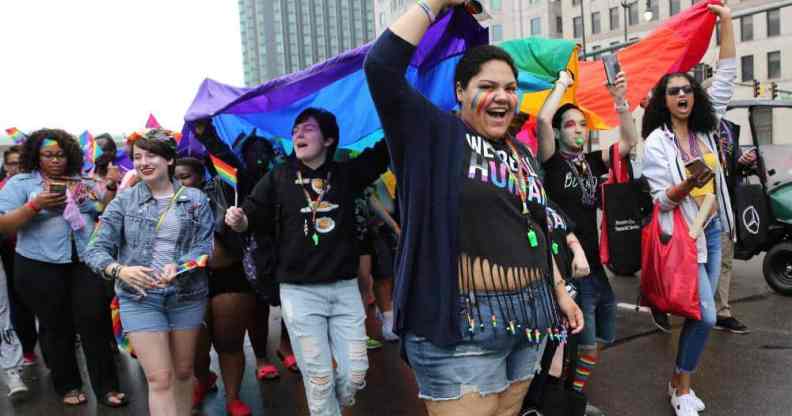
226 172
337 85
188 265
16 136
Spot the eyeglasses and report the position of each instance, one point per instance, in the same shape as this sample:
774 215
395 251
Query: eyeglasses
11 164
672 91
52 156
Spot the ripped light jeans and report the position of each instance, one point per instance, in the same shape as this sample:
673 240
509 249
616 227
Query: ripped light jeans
325 322
693 338
10 347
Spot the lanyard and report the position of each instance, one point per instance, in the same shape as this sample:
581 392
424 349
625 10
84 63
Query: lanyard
170 204
313 205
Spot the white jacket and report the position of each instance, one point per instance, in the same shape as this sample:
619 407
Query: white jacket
664 168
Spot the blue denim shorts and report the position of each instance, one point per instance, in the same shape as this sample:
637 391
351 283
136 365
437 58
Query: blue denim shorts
488 362
159 311
598 303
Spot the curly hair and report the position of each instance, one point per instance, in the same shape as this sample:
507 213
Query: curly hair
29 159
702 118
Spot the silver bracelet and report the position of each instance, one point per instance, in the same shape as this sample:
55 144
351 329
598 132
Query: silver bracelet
428 10
623 108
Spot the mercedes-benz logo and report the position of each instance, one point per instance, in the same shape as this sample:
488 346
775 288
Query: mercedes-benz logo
751 220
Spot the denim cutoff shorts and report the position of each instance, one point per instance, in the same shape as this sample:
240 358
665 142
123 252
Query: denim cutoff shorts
488 362
160 311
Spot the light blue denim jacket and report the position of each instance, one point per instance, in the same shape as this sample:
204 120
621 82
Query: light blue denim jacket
46 238
127 230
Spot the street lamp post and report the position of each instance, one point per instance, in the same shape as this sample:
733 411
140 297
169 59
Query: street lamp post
583 27
624 11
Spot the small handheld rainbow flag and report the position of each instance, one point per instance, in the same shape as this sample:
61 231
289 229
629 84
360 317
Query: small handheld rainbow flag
89 146
191 264
227 173
16 136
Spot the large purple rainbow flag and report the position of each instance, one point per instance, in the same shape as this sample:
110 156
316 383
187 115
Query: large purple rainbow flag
338 85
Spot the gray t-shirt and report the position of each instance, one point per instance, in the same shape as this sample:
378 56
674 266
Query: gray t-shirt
168 233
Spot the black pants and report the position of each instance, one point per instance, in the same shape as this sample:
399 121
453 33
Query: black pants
22 317
69 297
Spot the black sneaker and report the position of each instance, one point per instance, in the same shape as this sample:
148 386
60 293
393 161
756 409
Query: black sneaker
660 320
731 324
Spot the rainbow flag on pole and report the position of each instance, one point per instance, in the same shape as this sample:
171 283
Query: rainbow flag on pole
226 172
191 264
16 136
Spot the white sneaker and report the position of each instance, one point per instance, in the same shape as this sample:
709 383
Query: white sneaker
699 404
388 335
17 389
684 405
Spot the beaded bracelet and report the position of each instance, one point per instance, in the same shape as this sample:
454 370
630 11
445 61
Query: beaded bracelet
624 107
33 206
427 9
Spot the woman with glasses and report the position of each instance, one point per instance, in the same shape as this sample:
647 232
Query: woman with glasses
53 210
680 125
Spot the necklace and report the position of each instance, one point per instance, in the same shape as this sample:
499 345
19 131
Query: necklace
313 204
522 186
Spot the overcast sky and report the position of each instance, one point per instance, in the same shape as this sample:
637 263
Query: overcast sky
105 65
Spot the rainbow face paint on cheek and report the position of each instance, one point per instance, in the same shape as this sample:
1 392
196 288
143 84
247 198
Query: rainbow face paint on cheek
474 102
486 100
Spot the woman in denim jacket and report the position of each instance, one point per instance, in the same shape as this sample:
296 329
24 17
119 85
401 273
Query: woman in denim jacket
151 239
52 210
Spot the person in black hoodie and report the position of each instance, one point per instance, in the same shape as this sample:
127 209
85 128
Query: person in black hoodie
313 199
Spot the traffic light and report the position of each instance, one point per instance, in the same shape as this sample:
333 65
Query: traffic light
773 90
756 88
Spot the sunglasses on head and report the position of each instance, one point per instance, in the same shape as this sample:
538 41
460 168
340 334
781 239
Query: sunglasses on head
687 90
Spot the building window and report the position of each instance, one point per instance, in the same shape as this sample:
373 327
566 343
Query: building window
497 33
773 23
536 26
673 7
495 5
382 19
746 68
746 28
774 65
559 25
577 26
575 2
632 10
613 14
595 23
654 7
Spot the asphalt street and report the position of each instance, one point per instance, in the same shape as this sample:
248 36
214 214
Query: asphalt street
739 374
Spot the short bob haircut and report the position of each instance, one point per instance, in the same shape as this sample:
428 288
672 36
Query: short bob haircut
559 114
30 160
702 118
327 125
161 142
472 61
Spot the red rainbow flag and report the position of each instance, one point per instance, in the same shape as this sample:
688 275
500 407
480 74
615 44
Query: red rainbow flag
226 172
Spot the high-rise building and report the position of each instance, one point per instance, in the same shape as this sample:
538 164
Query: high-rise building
284 36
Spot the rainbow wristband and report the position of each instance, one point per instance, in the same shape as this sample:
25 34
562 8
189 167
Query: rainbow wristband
428 10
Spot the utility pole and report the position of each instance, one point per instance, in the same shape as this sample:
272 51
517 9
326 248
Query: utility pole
624 11
583 27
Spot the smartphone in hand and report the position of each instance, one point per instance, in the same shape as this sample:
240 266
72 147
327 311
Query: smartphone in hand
612 68
57 188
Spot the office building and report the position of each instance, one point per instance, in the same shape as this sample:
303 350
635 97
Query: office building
284 36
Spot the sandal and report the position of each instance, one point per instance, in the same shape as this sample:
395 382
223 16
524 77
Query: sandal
289 361
72 395
268 372
107 399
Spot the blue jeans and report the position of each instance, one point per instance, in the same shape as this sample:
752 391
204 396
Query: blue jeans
325 322
598 303
693 338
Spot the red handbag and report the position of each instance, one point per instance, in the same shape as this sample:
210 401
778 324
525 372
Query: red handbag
669 270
